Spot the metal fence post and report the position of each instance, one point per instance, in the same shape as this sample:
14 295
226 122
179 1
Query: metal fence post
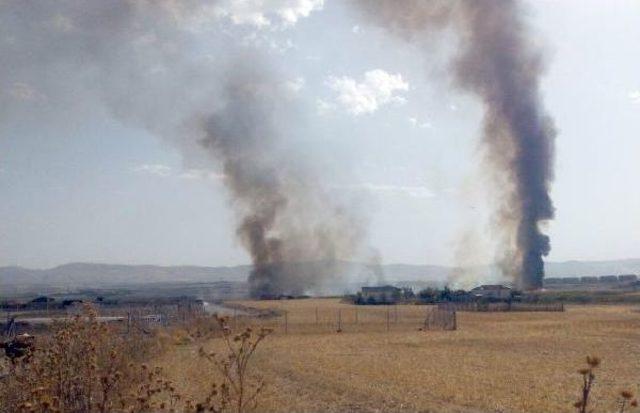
387 319
286 322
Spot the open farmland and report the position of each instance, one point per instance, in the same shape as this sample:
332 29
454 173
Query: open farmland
494 362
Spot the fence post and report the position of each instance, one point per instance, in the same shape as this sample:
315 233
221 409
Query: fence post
316 315
286 322
235 318
356 315
396 313
387 319
339 319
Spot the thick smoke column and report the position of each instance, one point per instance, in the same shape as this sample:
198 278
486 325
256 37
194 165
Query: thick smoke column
181 71
498 62
293 231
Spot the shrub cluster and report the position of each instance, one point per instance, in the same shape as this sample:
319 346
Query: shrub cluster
86 366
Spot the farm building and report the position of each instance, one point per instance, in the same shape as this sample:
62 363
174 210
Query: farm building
588 280
570 280
552 281
492 292
386 294
608 279
627 278
603 282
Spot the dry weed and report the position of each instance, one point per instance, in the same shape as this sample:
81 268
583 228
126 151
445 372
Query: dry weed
88 367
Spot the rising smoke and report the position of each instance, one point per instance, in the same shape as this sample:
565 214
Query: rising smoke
293 231
137 58
498 62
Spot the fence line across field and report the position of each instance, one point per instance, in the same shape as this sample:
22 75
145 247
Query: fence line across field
347 319
503 307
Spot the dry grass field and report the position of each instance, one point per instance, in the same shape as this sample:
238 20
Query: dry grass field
494 362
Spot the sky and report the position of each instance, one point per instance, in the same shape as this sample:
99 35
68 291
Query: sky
81 181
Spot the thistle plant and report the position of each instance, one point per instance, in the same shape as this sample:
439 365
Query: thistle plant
238 391
588 379
626 401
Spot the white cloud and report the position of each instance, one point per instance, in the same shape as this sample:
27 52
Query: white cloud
262 40
201 174
165 171
635 96
356 29
421 192
410 191
419 124
295 85
376 89
266 13
154 169
25 92
323 107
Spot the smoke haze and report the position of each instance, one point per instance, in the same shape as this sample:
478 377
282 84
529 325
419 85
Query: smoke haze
229 102
293 231
497 61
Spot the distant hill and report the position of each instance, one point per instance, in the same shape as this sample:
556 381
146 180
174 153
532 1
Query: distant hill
86 275
80 275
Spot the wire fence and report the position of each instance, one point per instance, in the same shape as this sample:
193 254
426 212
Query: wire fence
347 319
503 307
288 318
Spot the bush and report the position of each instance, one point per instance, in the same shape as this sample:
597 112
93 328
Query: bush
89 367
84 366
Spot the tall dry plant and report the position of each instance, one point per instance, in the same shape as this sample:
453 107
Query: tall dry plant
89 367
626 401
588 378
83 366
238 392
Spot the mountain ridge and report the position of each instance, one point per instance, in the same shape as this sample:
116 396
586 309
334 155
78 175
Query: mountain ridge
84 274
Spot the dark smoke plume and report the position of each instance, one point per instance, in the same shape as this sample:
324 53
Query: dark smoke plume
498 62
156 65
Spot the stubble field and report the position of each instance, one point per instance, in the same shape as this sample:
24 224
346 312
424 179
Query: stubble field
494 362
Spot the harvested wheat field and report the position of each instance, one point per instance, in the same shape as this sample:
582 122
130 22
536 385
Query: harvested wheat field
494 362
